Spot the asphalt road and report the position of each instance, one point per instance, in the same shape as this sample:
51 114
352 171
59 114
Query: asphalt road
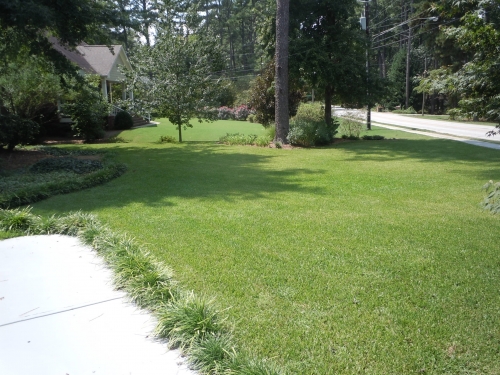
471 131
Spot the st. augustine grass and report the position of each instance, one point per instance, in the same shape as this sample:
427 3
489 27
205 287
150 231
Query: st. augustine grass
366 257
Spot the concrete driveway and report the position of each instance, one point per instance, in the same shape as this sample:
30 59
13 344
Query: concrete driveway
60 315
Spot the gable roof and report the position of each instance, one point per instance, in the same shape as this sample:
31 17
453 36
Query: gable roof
95 59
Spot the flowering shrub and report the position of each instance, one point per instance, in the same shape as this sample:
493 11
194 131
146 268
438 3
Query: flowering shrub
226 113
241 113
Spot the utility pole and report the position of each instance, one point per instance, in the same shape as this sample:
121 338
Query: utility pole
423 92
368 105
281 76
408 50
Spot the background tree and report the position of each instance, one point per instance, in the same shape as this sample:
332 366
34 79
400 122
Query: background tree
27 85
181 75
328 50
25 25
262 95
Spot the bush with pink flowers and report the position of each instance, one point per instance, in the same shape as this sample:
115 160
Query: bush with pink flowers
239 113
226 113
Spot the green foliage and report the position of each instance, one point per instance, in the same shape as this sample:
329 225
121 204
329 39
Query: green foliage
187 320
25 25
373 137
167 139
309 128
212 355
328 54
397 80
238 139
351 125
123 121
58 151
408 111
262 141
188 66
27 85
52 176
262 96
15 130
66 164
473 79
242 139
16 220
88 110
492 200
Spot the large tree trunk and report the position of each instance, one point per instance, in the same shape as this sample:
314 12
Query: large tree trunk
281 78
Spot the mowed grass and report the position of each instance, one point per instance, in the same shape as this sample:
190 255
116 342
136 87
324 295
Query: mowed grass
369 257
205 131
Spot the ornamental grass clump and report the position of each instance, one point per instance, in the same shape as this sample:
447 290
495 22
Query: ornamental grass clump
213 354
186 320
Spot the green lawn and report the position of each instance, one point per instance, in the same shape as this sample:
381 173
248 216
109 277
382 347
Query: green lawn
369 257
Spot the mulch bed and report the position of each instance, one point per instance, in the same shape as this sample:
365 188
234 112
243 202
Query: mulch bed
10 161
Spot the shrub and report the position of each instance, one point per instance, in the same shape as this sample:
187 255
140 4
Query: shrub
351 125
88 110
238 139
262 96
263 141
271 132
241 113
309 128
373 137
455 114
407 111
225 113
251 118
123 121
66 164
492 200
15 130
167 139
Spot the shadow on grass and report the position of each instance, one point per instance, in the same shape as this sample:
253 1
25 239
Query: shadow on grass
193 171
424 150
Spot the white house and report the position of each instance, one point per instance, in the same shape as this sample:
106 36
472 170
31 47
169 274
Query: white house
101 60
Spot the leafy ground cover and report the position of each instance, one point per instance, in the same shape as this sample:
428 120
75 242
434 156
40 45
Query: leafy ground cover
42 172
363 257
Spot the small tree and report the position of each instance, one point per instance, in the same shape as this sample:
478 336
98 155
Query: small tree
262 96
87 109
178 79
27 85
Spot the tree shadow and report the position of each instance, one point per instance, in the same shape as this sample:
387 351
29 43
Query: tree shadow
198 170
426 151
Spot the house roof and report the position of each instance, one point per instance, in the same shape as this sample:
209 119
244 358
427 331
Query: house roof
94 59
